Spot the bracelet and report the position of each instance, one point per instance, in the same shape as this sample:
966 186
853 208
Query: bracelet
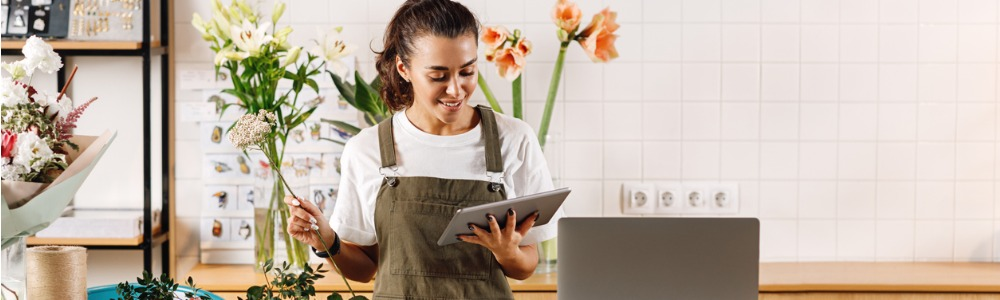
334 250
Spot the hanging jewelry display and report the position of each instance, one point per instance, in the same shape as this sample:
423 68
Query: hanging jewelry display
103 20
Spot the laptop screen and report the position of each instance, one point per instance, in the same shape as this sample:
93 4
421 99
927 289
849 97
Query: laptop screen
658 258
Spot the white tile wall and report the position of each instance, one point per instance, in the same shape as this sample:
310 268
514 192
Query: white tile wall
858 130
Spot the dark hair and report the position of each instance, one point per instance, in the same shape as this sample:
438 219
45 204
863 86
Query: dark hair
415 19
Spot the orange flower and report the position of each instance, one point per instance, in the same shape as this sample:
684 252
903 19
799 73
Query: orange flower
566 15
524 46
494 36
598 39
510 63
604 20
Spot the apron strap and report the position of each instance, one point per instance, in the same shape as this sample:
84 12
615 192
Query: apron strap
494 162
385 143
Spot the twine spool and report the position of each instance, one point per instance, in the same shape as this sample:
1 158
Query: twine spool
57 272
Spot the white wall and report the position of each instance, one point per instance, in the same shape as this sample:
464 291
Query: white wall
857 130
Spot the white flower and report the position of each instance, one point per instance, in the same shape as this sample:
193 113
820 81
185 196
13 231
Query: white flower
332 49
251 129
43 98
230 54
12 93
32 152
64 107
13 172
16 69
250 38
39 55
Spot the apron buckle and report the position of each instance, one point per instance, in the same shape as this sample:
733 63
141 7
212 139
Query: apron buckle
393 182
494 186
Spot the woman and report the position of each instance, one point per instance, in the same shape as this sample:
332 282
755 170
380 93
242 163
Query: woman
403 180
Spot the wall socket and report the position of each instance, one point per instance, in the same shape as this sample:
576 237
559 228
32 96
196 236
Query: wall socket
667 198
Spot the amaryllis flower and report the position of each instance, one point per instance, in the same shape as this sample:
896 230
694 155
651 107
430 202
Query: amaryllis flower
566 15
250 38
510 63
9 142
598 39
332 48
524 46
494 37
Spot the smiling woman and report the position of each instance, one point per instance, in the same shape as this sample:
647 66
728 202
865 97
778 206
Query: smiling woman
403 179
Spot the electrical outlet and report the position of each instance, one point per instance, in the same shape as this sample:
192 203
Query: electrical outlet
725 198
695 199
638 198
669 199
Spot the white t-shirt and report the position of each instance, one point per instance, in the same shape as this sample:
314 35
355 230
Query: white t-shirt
423 154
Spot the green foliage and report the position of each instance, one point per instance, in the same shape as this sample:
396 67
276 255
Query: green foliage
364 97
286 285
151 288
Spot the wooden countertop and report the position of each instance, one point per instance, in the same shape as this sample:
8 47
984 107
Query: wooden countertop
237 278
774 277
880 277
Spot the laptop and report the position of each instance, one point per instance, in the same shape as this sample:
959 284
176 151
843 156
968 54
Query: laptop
658 258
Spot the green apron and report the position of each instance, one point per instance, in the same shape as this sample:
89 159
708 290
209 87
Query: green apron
412 212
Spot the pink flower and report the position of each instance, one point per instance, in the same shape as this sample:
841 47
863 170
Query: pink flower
9 140
566 15
510 63
598 39
494 36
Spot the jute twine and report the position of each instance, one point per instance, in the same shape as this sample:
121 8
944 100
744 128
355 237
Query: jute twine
56 272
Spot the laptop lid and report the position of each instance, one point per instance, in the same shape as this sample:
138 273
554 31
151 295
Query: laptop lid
658 258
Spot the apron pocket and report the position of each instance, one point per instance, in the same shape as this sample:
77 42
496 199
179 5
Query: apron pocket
415 228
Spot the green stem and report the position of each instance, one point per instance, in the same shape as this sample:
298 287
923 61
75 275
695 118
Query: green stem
543 129
489 94
516 88
333 262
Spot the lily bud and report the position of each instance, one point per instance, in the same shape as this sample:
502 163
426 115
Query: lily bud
292 57
279 9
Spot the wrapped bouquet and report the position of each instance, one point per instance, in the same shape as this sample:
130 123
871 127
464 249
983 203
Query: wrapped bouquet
43 163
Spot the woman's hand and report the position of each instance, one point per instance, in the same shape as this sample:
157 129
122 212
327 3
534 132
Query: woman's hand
305 217
503 242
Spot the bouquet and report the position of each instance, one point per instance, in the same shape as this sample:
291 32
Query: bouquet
257 58
43 163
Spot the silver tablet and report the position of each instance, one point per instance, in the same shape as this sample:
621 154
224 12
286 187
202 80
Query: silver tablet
545 203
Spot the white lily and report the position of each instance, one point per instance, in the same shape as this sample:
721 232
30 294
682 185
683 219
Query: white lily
222 25
279 9
230 54
203 27
250 38
332 49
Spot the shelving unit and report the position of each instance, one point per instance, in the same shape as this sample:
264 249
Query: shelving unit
148 49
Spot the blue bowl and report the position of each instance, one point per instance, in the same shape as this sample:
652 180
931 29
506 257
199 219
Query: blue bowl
106 292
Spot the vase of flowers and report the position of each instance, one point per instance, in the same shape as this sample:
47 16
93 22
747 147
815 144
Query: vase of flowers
508 49
258 57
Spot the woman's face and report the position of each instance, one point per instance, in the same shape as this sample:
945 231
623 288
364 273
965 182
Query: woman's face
443 74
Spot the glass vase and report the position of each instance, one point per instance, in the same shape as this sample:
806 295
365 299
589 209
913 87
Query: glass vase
13 277
271 216
555 158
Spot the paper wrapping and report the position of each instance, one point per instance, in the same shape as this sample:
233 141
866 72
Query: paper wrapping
29 207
